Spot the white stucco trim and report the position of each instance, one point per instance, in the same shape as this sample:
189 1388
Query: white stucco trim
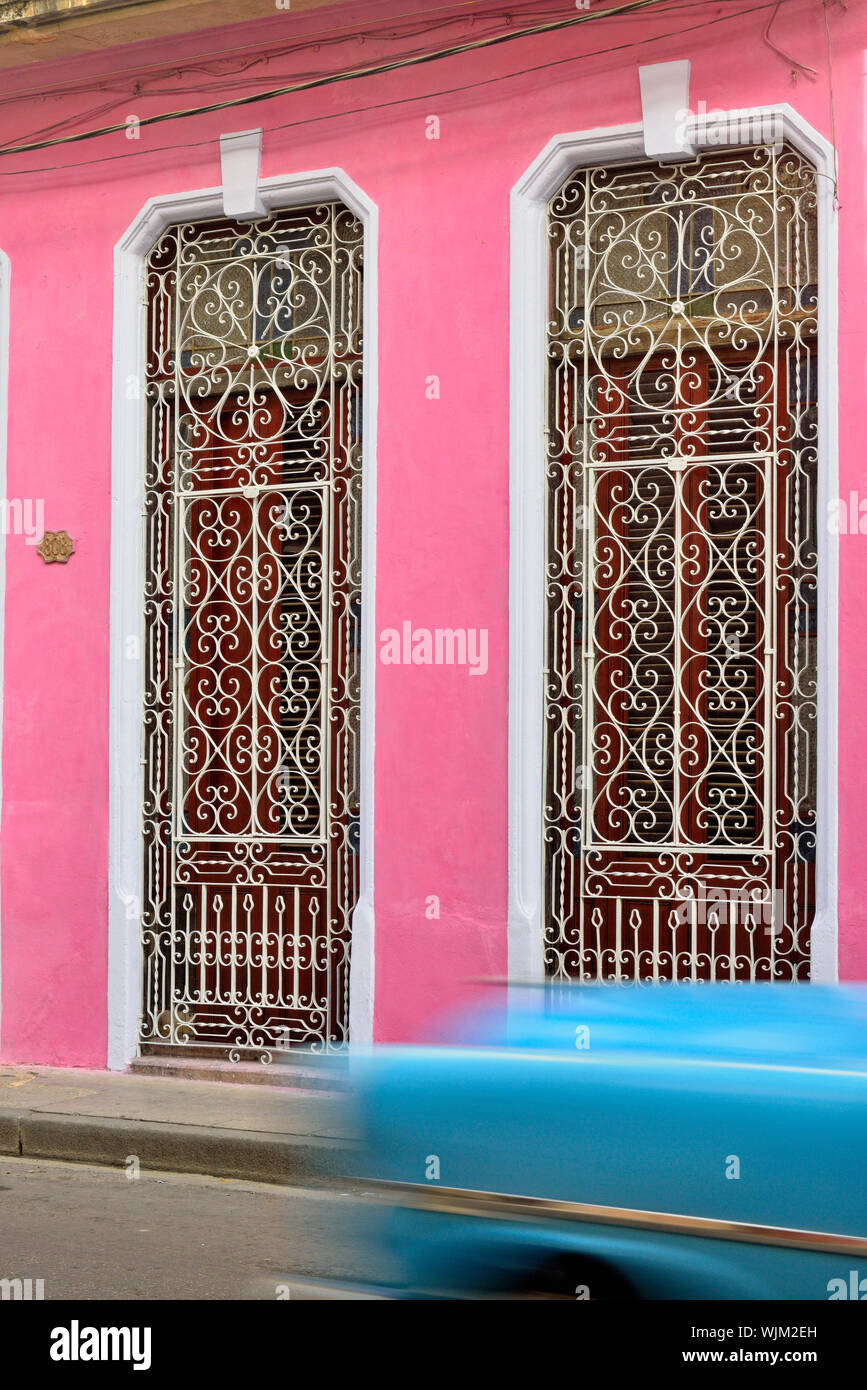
240 161
664 99
127 577
5 301
529 305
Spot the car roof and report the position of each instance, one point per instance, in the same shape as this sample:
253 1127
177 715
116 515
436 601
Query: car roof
818 1024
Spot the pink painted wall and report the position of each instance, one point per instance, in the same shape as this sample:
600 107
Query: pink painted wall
443 465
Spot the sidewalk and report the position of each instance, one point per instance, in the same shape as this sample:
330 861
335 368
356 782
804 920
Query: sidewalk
262 1133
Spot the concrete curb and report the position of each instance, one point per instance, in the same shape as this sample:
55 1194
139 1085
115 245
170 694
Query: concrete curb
175 1148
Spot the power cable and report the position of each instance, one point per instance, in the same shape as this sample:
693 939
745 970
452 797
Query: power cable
348 75
400 101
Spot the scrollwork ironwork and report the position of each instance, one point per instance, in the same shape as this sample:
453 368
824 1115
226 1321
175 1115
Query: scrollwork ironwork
680 674
252 597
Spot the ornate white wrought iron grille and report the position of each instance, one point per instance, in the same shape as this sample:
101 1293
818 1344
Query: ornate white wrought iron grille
681 570
252 612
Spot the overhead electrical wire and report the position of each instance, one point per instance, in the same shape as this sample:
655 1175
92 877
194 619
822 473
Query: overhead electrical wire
242 74
660 6
397 28
393 28
802 67
335 34
831 97
349 75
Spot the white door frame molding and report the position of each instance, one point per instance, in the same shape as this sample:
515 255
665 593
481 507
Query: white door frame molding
127 586
529 314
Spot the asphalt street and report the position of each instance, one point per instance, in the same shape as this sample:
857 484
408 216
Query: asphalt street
94 1233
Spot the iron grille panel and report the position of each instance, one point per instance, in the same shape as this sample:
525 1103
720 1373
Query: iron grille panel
680 674
252 605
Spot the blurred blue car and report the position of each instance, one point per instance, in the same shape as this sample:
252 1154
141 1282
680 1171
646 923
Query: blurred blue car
665 1142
